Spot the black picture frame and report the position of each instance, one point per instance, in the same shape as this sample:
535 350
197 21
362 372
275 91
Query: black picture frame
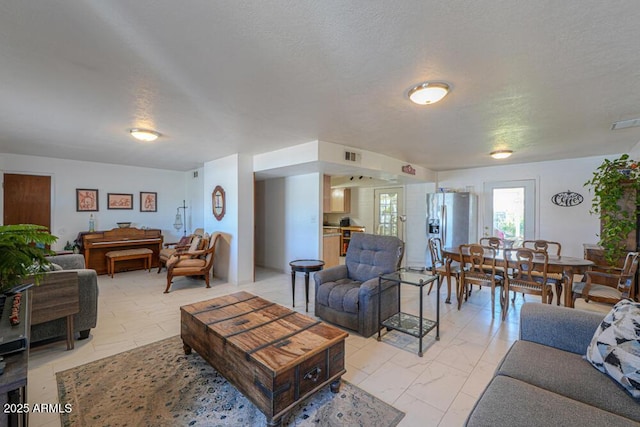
148 201
87 200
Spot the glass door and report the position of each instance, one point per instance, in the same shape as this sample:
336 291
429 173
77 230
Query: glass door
510 210
388 220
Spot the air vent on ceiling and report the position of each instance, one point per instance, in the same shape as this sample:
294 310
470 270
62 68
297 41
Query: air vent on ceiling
350 156
623 124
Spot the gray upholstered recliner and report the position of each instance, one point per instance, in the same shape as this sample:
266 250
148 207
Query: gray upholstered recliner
347 295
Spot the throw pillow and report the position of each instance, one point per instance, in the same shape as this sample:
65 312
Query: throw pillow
615 346
195 244
56 267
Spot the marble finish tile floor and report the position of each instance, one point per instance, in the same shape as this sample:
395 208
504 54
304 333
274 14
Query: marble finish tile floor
439 388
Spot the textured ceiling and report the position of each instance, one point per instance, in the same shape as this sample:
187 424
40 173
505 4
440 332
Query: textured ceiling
546 79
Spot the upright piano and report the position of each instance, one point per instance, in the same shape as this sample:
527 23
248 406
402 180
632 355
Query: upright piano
96 245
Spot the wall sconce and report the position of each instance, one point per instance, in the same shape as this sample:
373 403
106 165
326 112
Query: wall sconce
178 224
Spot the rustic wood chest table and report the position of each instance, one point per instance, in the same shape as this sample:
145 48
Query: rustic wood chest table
275 356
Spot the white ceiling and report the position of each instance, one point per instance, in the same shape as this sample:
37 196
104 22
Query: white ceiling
544 78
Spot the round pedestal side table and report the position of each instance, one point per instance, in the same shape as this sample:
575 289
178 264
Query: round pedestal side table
305 266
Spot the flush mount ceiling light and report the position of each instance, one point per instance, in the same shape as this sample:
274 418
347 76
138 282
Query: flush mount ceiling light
145 135
428 92
501 154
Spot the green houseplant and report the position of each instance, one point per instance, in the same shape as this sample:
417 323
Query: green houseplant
22 254
614 182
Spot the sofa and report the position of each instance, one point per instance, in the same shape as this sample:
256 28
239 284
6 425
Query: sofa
544 380
347 295
87 317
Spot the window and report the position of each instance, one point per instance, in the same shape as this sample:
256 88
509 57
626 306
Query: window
510 210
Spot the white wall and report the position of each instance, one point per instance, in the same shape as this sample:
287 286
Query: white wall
226 173
194 200
571 226
67 175
302 213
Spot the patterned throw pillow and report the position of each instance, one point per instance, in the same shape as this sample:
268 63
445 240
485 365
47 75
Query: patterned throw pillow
195 244
615 347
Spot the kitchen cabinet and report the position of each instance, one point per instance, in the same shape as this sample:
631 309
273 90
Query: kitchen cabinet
331 249
335 200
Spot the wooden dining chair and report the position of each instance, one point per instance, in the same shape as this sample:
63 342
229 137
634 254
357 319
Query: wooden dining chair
478 267
608 287
493 242
439 267
527 274
551 248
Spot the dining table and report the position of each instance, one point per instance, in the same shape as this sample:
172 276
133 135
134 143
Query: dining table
565 265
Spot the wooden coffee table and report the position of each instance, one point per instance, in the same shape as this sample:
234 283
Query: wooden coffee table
275 356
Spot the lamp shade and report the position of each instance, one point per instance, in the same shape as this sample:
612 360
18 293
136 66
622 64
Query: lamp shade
145 135
428 92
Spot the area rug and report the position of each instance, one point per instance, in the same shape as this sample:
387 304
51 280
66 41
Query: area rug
158 385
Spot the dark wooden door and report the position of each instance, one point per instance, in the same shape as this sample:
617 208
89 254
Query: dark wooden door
27 199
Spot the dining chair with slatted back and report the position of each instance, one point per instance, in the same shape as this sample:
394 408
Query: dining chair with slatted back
439 267
554 249
608 287
527 274
493 242
479 268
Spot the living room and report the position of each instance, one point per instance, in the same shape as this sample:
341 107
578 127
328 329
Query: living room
265 100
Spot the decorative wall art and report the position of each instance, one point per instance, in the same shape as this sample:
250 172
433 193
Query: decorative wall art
148 201
86 200
218 202
119 201
567 199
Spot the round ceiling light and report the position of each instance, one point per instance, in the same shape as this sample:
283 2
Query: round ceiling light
501 154
428 92
145 135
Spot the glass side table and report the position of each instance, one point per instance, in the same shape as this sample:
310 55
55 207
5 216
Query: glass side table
416 326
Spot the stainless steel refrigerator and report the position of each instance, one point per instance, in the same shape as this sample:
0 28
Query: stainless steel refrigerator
453 217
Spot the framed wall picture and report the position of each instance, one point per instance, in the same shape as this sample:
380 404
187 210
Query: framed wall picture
86 200
119 201
148 201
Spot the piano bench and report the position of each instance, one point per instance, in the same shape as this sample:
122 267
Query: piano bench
128 254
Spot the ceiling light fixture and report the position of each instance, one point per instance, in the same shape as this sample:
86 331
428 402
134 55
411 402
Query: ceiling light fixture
428 92
501 154
145 135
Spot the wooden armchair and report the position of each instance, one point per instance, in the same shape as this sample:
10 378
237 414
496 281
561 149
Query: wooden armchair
193 263
526 276
554 249
439 267
185 244
608 287
479 268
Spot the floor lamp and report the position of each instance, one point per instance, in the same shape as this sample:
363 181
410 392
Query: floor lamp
178 224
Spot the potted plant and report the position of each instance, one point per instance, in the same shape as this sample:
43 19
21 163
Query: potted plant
615 183
23 254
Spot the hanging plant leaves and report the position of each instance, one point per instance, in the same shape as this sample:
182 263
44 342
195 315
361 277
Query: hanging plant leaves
567 199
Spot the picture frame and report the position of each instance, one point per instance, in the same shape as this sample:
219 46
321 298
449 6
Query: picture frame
218 202
148 201
86 200
119 201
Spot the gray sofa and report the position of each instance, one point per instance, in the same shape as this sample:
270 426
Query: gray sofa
543 380
347 295
88 295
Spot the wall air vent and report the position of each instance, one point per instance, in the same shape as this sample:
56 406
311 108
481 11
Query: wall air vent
195 174
623 124
350 156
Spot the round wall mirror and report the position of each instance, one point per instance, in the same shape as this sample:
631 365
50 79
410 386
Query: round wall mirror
218 202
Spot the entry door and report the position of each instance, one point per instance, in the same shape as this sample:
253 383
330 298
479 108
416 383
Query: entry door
387 212
510 210
27 199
